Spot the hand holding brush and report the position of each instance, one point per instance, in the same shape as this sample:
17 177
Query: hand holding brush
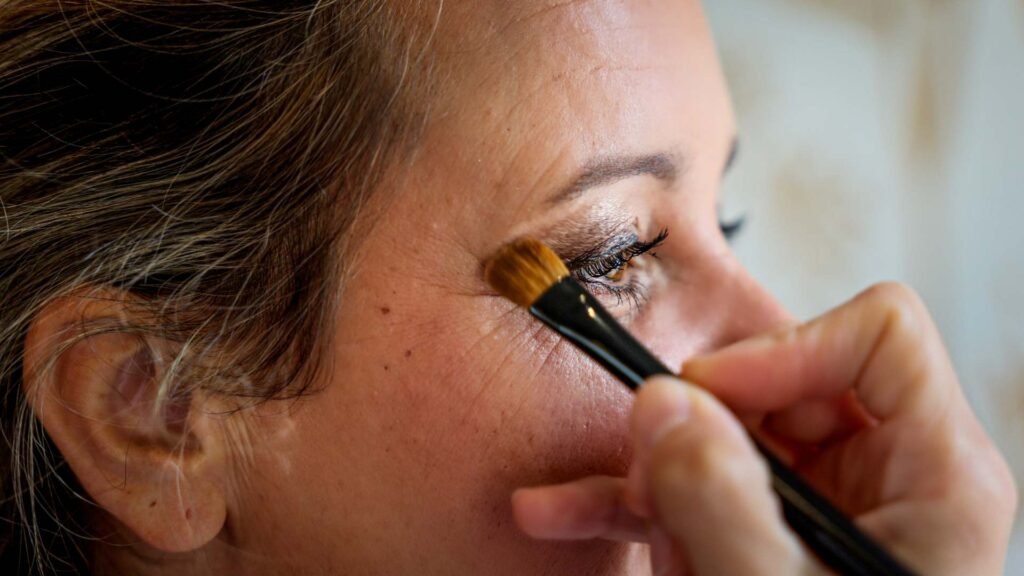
882 472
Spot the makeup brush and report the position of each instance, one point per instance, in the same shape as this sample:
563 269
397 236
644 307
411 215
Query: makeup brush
530 274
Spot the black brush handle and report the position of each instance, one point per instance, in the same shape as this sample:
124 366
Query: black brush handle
572 312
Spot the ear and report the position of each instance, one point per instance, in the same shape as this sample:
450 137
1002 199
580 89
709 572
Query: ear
157 469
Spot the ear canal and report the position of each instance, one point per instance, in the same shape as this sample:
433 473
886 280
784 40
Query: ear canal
137 387
136 378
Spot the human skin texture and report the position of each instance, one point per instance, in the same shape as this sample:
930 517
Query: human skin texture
439 397
443 397
449 433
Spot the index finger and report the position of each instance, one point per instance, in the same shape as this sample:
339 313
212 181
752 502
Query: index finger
882 345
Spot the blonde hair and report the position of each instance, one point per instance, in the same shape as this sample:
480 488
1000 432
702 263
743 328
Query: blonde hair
206 158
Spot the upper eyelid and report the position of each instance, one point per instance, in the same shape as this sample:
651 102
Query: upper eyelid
577 238
607 248
627 247
624 247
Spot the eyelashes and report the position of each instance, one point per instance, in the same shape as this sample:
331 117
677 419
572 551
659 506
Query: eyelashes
606 269
613 268
615 259
732 228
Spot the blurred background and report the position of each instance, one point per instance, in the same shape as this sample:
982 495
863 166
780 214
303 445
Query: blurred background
884 140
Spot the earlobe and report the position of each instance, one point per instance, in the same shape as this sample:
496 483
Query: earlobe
157 469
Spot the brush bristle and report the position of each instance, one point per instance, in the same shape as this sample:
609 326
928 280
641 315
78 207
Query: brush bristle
523 270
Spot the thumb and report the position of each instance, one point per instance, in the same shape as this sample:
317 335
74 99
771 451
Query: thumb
707 487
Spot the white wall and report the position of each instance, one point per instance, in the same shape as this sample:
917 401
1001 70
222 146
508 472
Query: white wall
884 140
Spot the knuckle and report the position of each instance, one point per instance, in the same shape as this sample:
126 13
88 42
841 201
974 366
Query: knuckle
983 493
897 299
894 291
1011 491
907 333
997 482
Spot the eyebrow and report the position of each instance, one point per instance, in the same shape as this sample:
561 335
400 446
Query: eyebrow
610 169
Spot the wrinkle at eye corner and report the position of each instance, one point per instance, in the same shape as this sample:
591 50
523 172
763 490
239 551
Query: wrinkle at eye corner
512 339
527 337
526 327
488 334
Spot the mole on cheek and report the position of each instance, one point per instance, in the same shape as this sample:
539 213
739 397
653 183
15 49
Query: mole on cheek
385 310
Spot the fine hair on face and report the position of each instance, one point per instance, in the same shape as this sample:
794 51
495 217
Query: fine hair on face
204 164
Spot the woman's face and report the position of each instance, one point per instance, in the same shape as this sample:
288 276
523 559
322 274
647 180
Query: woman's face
593 125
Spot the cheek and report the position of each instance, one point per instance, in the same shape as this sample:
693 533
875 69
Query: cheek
466 410
505 405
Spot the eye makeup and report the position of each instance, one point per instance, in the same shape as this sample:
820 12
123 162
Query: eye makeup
606 268
607 253
533 276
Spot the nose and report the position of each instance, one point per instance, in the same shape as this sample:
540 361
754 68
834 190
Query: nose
719 304
748 308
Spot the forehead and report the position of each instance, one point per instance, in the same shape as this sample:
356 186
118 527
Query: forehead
585 60
532 90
